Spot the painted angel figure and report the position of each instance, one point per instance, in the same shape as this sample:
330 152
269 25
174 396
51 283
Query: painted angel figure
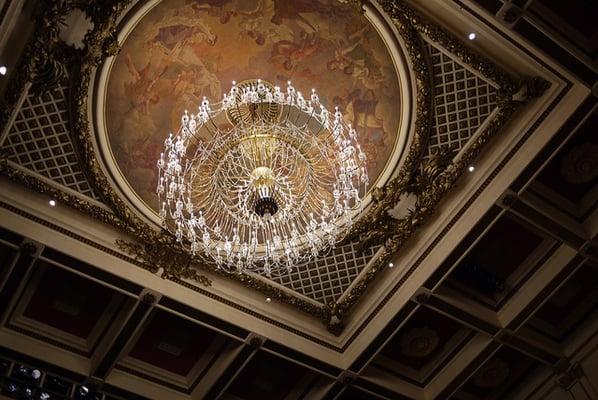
141 90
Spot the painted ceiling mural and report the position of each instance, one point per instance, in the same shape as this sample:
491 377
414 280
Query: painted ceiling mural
183 50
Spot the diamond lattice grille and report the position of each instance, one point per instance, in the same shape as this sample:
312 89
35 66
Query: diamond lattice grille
39 140
462 101
327 278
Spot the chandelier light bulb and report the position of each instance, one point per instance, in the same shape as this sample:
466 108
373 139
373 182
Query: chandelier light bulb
262 180
471 36
3 70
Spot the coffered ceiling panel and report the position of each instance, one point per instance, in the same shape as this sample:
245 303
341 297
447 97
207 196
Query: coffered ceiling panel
172 343
498 377
65 309
423 345
573 20
568 182
66 301
575 300
266 376
508 253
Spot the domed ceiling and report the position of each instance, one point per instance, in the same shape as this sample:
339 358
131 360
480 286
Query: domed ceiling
180 51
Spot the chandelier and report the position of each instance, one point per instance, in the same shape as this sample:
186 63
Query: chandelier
262 180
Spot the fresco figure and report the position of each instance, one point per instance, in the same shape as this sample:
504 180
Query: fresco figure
292 53
141 91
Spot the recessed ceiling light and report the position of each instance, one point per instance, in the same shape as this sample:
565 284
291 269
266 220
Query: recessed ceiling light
3 70
471 36
391 265
268 299
52 202
471 168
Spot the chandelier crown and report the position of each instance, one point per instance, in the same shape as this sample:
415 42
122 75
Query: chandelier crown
262 180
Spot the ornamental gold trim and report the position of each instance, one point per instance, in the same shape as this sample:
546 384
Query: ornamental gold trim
425 182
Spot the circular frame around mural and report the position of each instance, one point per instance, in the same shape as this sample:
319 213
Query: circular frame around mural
142 79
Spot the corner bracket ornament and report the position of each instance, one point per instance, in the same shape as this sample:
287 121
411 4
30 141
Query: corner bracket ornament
165 255
568 375
526 89
347 377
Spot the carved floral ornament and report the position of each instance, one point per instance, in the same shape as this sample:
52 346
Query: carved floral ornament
398 207
419 342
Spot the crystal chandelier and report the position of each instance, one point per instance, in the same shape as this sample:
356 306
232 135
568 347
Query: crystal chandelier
262 180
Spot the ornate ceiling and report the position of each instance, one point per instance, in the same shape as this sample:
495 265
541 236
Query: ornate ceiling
176 52
478 234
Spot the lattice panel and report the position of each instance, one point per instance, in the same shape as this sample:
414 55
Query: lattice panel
39 140
326 279
462 102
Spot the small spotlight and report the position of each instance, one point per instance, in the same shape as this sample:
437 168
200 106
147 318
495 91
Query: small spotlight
471 168
3 70
471 36
390 265
268 299
52 203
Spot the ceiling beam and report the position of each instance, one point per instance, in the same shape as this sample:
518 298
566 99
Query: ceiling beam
19 268
252 344
124 332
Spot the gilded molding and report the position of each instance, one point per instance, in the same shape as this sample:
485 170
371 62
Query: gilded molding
158 252
38 57
34 184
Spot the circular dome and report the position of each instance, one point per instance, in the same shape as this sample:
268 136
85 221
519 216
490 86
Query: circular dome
175 52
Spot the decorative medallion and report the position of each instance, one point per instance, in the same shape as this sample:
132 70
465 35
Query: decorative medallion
492 374
580 165
419 342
